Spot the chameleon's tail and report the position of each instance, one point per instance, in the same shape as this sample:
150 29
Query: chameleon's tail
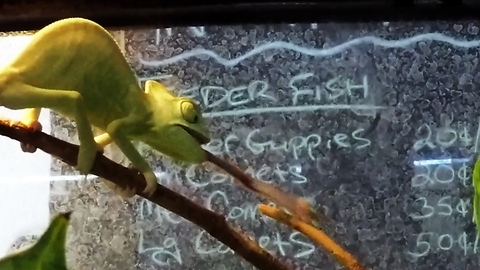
476 193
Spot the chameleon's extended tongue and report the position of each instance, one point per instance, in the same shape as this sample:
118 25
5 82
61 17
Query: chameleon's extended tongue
297 206
233 170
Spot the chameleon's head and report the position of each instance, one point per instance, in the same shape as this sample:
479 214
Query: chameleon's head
178 128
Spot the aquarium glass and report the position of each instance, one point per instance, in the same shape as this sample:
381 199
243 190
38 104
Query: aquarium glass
376 124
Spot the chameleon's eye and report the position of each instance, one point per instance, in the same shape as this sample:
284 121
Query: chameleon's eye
189 112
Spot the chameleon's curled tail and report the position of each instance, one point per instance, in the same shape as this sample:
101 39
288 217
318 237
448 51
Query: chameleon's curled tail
476 194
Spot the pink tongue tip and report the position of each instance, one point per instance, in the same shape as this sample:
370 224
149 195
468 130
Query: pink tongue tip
303 209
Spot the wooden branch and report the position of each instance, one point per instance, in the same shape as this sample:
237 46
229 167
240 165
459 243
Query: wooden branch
213 223
317 236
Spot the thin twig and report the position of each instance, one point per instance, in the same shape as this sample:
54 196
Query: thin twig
342 256
213 223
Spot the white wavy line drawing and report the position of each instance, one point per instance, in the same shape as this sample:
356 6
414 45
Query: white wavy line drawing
288 109
400 43
198 31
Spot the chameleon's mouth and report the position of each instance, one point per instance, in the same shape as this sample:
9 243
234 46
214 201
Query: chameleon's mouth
200 138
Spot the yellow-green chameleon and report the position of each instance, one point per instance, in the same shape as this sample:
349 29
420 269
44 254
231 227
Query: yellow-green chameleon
48 253
74 67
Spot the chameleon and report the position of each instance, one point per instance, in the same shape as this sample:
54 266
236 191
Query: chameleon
47 253
74 67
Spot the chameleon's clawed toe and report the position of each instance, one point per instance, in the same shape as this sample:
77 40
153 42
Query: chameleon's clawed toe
27 148
86 159
151 186
100 148
32 126
35 126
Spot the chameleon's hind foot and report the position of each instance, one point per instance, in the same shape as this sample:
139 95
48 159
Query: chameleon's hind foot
32 126
151 180
86 157
100 149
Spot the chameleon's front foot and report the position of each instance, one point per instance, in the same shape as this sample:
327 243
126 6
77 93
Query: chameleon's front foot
86 158
151 180
33 126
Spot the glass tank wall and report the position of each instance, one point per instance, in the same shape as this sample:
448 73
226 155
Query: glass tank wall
375 124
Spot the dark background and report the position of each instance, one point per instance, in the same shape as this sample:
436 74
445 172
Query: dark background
35 14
